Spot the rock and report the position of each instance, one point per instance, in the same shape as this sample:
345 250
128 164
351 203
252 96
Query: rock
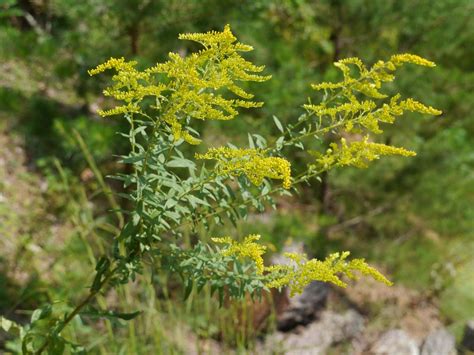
439 342
331 328
302 308
395 342
467 342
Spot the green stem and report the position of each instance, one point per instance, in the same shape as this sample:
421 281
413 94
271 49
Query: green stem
80 306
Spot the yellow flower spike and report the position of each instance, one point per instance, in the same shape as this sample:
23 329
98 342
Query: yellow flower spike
119 110
251 162
415 106
246 249
119 64
327 86
211 38
358 154
138 94
355 61
301 272
367 82
400 59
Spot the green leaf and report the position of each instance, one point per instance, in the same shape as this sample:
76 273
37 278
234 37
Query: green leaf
10 327
279 142
260 142
299 145
278 124
41 313
188 288
302 117
102 267
103 264
95 313
141 130
135 219
133 159
194 201
181 163
127 231
170 203
251 142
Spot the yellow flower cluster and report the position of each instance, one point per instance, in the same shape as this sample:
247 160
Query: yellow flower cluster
301 271
251 162
246 249
119 64
199 78
415 106
346 105
400 59
216 39
137 94
357 154
370 119
369 80
130 86
119 110
192 86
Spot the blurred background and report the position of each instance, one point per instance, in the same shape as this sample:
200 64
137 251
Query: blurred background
413 218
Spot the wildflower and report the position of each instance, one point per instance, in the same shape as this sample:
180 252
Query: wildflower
251 162
357 154
415 106
118 110
196 80
356 114
400 59
246 249
301 272
119 64
195 86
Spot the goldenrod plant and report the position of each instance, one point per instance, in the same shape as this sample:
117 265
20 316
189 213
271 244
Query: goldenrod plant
170 192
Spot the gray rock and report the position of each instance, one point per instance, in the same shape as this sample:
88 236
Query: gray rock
467 342
395 342
439 342
331 328
302 308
